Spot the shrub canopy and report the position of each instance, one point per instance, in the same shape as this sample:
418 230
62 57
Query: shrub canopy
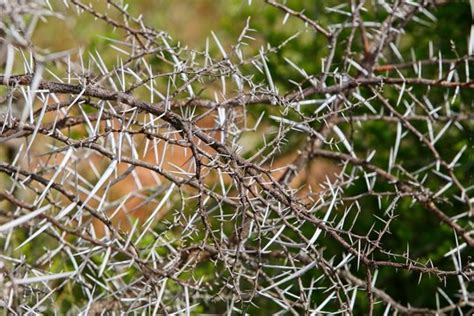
258 157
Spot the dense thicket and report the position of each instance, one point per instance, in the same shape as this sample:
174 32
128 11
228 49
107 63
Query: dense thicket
304 157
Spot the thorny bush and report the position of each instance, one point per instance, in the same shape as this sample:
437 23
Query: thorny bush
315 163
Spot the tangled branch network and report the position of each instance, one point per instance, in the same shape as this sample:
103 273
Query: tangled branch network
149 177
